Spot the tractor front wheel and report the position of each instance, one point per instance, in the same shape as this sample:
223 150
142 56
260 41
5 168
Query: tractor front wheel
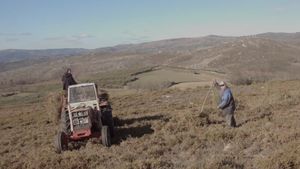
105 136
61 142
65 122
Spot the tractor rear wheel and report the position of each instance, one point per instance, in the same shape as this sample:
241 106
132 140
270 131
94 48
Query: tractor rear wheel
105 136
107 119
61 142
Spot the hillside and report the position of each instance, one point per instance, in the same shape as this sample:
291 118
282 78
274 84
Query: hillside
249 57
161 129
255 58
168 46
12 59
289 38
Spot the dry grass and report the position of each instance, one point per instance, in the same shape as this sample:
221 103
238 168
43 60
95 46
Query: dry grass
53 105
163 129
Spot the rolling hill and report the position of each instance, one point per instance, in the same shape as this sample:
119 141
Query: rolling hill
289 38
164 127
259 57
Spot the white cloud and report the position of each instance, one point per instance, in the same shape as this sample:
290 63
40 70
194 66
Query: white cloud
83 35
279 9
55 38
11 39
25 34
15 34
79 37
131 37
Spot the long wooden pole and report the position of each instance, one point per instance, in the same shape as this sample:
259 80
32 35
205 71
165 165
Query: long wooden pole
206 98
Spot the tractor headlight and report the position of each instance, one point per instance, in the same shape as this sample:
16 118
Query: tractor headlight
83 120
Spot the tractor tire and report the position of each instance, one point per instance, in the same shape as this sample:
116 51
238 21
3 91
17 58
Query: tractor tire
105 136
99 123
107 119
61 142
65 122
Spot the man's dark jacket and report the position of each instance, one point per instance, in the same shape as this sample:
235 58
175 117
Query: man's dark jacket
68 80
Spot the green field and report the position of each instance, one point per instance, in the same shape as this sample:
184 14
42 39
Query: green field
167 77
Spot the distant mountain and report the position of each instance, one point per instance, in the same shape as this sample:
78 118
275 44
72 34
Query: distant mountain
167 46
290 38
16 55
269 55
179 45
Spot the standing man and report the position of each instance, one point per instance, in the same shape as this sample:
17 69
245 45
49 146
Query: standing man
68 80
227 104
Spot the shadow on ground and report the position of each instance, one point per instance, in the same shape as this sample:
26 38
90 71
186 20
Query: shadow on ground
122 122
253 119
121 134
123 130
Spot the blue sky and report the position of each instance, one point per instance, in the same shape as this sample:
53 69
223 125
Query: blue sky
40 24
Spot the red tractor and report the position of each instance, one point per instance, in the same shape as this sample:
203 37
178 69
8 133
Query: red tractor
85 114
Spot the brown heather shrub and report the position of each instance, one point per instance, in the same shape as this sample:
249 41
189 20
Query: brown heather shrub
164 129
285 157
54 105
247 78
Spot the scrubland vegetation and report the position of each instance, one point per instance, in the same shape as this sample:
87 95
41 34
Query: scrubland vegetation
162 129
157 90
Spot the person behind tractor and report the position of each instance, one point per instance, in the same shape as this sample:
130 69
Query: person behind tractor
227 104
68 80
